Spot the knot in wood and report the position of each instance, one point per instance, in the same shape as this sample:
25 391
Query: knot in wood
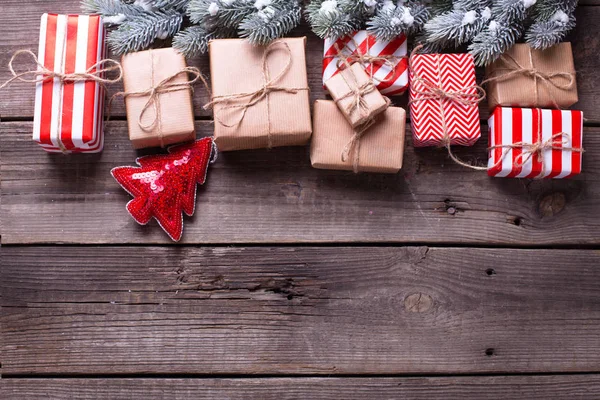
418 302
552 204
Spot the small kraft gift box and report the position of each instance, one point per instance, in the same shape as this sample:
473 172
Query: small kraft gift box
260 95
526 77
535 143
378 146
356 95
69 102
158 97
444 98
384 61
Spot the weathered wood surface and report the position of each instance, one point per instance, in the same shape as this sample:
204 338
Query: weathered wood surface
277 197
19 26
480 388
307 310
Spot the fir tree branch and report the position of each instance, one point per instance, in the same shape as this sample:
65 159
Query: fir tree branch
492 42
390 23
329 20
226 14
178 5
193 40
270 23
451 29
139 32
110 8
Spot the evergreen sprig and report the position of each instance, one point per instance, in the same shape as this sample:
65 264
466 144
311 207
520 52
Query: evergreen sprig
270 23
139 32
141 22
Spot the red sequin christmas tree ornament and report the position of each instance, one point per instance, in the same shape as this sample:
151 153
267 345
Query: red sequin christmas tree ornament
164 186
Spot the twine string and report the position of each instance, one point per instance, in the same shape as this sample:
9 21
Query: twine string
353 146
344 59
154 92
559 80
269 85
537 149
469 96
43 74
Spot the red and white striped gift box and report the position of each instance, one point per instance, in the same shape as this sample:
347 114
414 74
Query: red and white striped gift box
522 126
433 118
389 81
69 116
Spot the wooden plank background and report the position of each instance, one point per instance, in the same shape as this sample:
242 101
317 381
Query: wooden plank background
291 282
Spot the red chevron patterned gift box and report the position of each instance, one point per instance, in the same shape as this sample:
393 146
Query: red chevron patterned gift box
535 143
444 99
68 115
384 61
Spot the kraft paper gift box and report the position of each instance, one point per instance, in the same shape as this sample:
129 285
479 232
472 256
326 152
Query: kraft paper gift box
260 94
379 149
68 116
356 95
535 143
435 119
513 83
389 72
175 120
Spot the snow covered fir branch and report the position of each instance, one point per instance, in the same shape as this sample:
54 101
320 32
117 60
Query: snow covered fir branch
487 27
193 23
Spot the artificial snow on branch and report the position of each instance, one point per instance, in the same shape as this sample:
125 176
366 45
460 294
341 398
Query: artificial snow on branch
192 23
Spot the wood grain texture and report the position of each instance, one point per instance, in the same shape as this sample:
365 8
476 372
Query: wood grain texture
275 196
481 388
19 28
307 310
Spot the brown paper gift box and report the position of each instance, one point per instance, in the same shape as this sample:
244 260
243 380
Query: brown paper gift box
519 89
280 118
341 87
144 70
381 149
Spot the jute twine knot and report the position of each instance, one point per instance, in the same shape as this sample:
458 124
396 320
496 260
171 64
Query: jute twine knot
353 146
433 91
95 73
529 150
559 80
269 85
346 57
42 74
154 92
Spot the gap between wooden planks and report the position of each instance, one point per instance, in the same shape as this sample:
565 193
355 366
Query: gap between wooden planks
571 387
309 310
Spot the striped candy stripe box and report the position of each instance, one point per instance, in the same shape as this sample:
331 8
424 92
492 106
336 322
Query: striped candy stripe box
433 117
389 81
68 116
558 134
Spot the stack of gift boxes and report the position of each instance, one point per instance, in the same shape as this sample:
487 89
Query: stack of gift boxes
260 99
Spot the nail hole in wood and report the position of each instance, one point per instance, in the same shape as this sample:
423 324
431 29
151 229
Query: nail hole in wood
516 221
490 271
489 352
290 296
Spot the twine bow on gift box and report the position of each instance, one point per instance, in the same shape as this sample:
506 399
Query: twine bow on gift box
269 85
433 91
558 80
529 150
345 59
95 73
557 141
